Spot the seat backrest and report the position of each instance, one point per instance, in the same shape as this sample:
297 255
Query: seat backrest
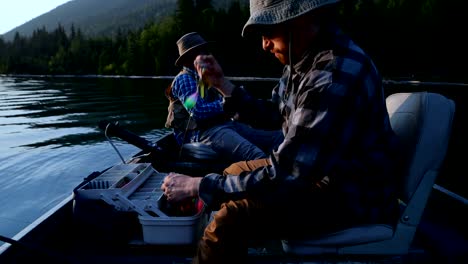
423 123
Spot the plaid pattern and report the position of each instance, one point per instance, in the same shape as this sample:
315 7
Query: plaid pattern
185 85
336 125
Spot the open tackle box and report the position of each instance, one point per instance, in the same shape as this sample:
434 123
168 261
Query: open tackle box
133 191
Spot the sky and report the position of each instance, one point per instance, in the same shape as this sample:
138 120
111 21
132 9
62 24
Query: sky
14 13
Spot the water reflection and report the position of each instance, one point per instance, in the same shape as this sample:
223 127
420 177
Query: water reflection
76 106
50 138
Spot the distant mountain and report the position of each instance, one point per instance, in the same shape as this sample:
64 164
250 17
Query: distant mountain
103 17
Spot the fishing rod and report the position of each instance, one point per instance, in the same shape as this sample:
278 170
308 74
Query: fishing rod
113 128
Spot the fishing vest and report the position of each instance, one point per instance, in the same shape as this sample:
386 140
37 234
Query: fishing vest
178 117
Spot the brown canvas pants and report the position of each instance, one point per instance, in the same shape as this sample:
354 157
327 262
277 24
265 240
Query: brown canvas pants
238 223
249 165
225 236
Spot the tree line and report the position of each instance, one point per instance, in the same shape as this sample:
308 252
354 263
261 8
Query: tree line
420 39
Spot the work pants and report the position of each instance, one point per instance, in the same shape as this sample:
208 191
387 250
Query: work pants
237 223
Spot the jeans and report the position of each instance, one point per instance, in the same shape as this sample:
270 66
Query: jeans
235 141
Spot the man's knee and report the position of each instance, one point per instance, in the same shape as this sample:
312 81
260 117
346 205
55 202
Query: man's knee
245 166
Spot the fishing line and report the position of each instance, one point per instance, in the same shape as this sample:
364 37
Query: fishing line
112 144
190 104
185 133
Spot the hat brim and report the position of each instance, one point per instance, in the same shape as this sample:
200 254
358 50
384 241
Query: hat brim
186 54
279 13
257 29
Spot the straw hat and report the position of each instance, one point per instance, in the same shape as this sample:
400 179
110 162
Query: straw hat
271 12
187 44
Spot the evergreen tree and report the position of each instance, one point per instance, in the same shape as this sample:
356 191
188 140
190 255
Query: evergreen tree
185 14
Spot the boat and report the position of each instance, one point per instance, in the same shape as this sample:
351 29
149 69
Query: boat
105 220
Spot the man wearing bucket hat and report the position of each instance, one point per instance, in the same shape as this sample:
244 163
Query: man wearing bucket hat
196 112
337 164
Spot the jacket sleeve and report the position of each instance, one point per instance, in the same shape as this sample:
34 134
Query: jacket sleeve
295 165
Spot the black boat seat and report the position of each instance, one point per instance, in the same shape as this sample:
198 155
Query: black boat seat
423 122
199 151
328 243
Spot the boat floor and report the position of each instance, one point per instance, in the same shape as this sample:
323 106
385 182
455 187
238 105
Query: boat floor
69 243
441 238
91 253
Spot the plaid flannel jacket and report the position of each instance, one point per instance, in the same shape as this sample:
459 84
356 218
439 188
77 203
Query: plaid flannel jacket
335 124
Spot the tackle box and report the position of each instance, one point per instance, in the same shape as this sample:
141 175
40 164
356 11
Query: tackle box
133 191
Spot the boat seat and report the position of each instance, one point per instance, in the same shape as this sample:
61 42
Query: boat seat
423 123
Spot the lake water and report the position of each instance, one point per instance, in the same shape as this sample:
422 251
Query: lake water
50 140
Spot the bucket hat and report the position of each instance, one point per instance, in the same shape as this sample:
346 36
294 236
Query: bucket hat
271 12
187 44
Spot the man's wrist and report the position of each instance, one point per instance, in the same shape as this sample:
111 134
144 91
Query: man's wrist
196 186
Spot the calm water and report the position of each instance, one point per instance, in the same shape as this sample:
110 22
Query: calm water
50 141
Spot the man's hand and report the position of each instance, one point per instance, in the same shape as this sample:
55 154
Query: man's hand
211 72
178 187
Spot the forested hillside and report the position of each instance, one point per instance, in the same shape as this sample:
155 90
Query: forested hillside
104 17
412 39
98 18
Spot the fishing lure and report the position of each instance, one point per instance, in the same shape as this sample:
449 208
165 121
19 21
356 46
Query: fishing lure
191 101
201 85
